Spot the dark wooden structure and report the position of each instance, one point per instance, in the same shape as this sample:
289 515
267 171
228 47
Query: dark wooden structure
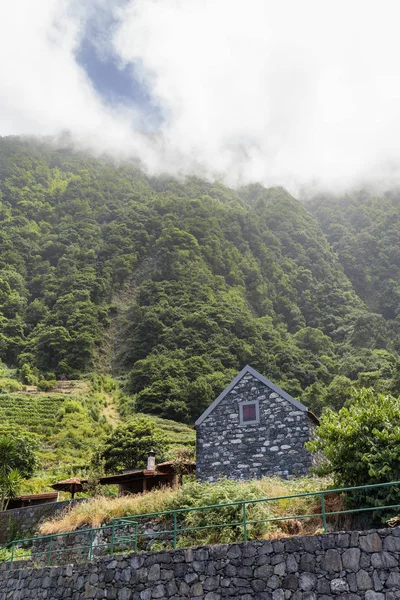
139 481
32 500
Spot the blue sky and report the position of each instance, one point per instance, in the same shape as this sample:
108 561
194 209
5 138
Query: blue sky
116 83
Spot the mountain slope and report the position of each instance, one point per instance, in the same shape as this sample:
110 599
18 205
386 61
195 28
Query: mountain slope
364 230
176 284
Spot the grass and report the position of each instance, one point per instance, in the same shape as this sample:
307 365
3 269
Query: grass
100 511
178 434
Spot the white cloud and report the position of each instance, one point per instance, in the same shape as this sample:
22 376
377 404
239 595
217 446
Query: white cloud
292 93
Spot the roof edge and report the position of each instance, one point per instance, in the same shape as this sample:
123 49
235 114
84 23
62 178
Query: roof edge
264 380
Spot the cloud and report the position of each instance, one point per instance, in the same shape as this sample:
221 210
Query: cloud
290 93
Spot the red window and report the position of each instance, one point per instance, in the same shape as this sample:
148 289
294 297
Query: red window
249 412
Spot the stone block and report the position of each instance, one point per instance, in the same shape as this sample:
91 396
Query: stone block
339 586
383 560
280 569
370 542
154 573
263 572
291 564
307 562
196 590
393 581
258 585
351 559
273 582
307 581
332 561
370 595
391 543
211 583
364 581
290 582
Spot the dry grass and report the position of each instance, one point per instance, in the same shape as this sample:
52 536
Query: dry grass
102 510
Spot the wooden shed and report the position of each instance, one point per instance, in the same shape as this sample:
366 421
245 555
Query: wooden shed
144 480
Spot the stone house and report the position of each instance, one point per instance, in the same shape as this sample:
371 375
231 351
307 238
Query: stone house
253 429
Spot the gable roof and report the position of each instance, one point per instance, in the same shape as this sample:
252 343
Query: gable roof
267 382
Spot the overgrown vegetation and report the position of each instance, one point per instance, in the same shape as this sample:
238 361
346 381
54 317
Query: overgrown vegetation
159 291
100 510
361 446
174 286
17 460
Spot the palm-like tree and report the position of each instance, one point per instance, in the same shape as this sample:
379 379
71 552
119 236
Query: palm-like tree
10 478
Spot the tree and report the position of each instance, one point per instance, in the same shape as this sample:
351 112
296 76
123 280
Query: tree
10 477
10 484
18 450
128 445
362 445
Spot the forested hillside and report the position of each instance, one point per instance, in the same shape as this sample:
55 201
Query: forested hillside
364 230
172 287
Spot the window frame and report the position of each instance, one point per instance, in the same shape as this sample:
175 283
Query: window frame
247 403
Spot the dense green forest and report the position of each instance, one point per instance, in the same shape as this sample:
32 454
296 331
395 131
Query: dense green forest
172 286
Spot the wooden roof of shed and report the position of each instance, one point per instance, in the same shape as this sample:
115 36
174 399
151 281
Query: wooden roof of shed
136 474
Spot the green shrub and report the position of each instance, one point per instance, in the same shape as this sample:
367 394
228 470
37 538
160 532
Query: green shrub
10 385
361 445
195 494
29 375
47 386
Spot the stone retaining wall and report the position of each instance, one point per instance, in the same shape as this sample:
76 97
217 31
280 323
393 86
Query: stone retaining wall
350 566
75 547
23 522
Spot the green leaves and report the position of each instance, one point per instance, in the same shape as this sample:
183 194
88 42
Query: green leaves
128 445
361 443
175 285
17 459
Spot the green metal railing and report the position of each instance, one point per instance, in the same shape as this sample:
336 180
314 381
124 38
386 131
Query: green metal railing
124 534
25 550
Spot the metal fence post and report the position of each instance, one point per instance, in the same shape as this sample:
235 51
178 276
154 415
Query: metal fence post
175 532
244 522
323 511
91 545
49 551
136 535
12 556
112 538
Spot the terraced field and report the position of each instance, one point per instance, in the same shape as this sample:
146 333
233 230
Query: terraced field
178 434
34 412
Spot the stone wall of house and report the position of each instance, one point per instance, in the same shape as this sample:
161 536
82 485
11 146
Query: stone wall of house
274 446
24 522
349 566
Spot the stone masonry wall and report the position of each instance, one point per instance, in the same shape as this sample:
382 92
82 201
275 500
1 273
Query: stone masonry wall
24 522
274 446
349 566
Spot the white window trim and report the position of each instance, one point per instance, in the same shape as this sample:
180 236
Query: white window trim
246 403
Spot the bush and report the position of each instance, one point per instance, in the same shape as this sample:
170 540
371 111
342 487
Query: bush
194 494
361 445
10 385
29 375
47 386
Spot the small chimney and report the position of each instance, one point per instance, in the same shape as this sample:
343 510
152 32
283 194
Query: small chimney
151 461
